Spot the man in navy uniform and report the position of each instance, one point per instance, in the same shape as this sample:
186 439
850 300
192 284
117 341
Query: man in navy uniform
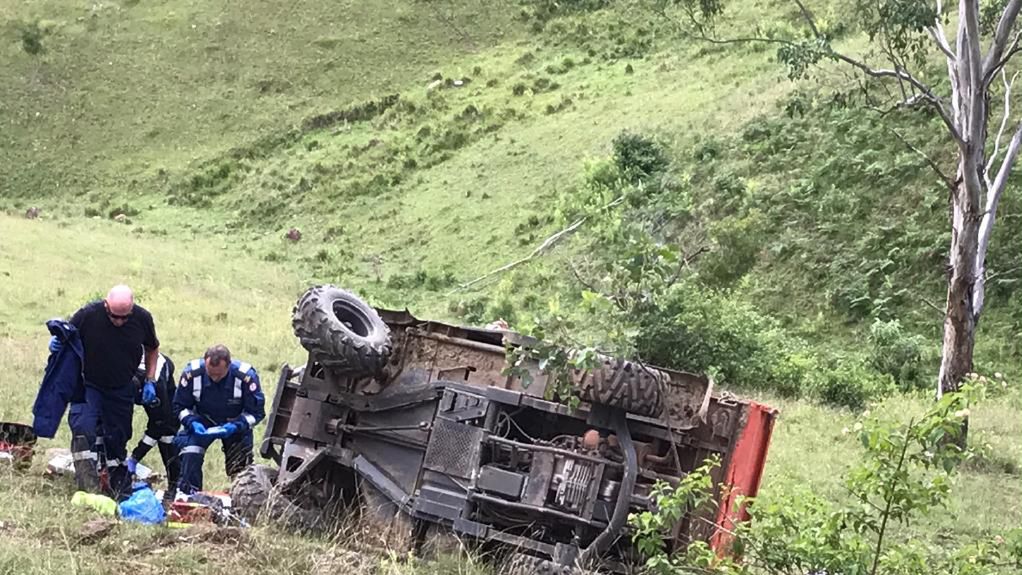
161 426
217 398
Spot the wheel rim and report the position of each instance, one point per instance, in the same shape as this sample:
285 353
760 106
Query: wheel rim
353 318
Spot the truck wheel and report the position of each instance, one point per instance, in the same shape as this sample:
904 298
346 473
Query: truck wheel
252 489
343 331
522 564
627 385
385 522
254 496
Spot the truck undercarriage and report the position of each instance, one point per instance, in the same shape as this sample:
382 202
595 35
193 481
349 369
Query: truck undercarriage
428 433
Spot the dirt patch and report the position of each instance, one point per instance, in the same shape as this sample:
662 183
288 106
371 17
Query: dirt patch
94 531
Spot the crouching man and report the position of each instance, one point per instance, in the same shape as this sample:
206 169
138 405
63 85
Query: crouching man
217 398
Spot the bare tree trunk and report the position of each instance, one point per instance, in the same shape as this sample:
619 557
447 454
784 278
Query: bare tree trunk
960 316
959 321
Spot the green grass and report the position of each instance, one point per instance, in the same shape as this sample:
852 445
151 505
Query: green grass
813 446
123 91
186 287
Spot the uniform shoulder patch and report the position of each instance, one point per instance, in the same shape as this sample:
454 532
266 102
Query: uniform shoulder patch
252 387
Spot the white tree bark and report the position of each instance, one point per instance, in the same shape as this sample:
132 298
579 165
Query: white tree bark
966 116
975 198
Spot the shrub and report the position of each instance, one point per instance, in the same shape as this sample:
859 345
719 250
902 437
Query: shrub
542 84
697 329
31 35
472 311
544 10
422 279
123 209
639 157
896 354
848 383
736 246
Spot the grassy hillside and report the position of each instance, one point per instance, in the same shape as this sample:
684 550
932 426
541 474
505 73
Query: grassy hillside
117 93
198 297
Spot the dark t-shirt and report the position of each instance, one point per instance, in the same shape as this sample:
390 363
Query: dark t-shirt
112 353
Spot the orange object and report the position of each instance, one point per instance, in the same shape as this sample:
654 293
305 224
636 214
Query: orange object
188 512
183 511
743 475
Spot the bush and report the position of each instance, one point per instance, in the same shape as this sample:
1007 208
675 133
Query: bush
543 10
422 279
736 247
639 157
31 35
897 354
696 329
847 383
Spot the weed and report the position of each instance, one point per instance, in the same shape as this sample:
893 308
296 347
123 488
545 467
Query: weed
421 279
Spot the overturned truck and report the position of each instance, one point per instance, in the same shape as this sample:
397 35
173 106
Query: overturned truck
420 426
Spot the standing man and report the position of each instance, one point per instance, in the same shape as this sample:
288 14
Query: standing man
217 398
116 334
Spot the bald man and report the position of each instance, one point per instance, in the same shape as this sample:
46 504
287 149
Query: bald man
116 335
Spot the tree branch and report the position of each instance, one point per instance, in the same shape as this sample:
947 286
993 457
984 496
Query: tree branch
1004 60
986 225
925 91
929 161
996 275
937 31
546 245
899 73
890 502
1004 122
809 18
976 91
1000 41
941 312
1001 181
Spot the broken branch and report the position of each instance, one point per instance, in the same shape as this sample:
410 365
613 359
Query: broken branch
1000 41
543 247
929 161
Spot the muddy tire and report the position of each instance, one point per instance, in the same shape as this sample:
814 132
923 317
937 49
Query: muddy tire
254 496
251 491
625 384
522 564
385 524
343 331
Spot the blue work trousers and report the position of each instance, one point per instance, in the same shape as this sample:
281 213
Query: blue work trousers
106 414
237 456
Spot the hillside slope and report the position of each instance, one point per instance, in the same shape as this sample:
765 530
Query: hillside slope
199 297
102 97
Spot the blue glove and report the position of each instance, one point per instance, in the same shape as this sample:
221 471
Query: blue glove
222 431
149 393
131 463
230 429
55 344
198 428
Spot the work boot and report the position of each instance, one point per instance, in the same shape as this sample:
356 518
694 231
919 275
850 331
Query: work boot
86 473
